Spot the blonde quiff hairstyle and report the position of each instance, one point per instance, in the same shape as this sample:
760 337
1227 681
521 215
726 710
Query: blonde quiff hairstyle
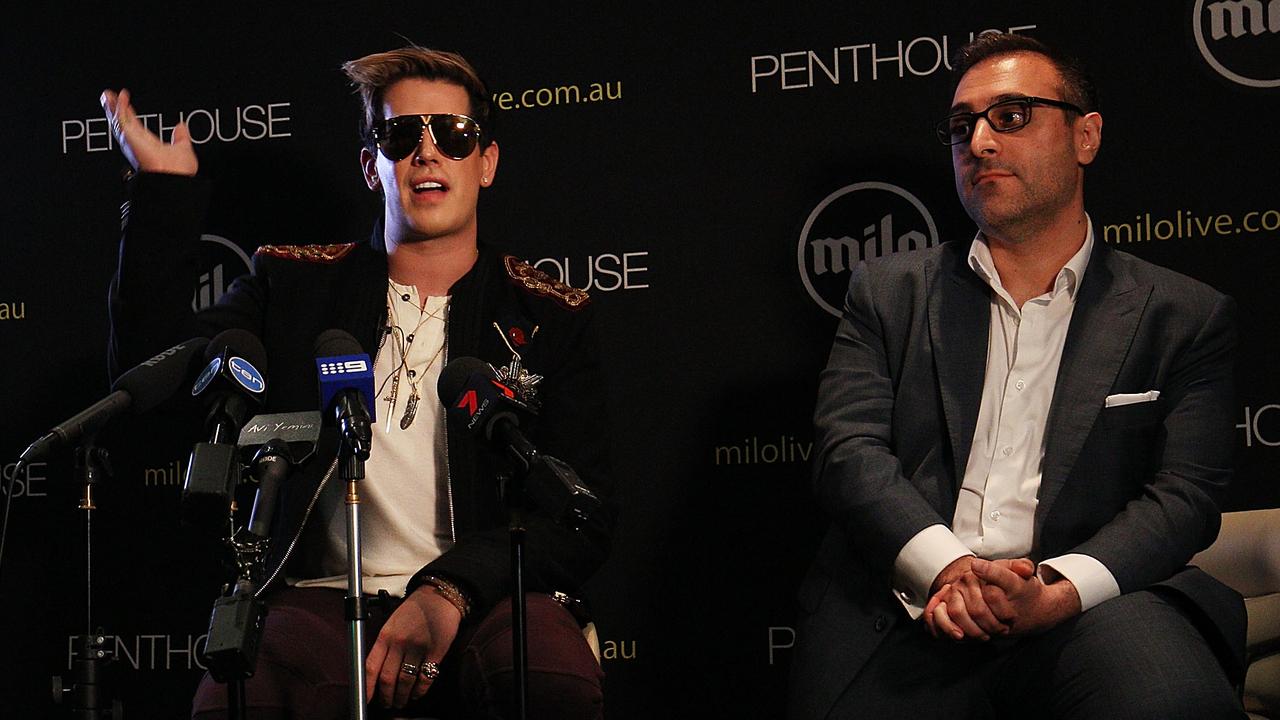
373 74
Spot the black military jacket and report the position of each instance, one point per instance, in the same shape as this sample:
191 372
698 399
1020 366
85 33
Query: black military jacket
296 292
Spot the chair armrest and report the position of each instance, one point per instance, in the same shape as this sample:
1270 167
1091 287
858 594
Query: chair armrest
1246 555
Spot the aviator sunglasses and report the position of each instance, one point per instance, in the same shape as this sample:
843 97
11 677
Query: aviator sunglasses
455 136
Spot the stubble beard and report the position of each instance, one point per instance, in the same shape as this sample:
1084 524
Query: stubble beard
1017 214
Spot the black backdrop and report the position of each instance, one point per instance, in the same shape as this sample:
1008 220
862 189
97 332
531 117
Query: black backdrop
711 197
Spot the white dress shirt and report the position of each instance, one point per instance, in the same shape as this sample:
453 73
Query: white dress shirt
995 511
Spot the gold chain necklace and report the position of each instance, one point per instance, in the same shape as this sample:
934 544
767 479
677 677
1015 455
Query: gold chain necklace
401 344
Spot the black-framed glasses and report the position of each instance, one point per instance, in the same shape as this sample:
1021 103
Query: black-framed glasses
1004 116
455 136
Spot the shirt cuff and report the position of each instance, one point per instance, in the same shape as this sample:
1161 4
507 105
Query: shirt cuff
919 562
1093 581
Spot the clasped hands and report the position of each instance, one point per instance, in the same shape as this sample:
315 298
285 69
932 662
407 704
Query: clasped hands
976 599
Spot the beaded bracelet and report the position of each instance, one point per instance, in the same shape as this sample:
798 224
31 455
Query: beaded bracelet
450 592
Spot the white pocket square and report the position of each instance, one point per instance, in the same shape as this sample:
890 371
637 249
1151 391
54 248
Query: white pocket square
1131 398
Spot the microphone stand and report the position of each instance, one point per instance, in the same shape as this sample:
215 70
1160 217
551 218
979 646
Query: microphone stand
352 452
557 490
235 627
88 690
571 510
514 497
236 623
93 464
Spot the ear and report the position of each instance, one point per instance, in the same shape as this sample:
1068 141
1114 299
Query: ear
369 165
1088 138
488 164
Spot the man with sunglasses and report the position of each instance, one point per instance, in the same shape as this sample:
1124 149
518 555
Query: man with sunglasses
1021 442
421 291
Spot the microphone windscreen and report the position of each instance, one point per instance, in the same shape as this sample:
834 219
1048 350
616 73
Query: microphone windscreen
334 342
342 365
239 342
454 377
156 380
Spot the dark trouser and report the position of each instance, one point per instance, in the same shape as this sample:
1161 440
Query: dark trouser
303 665
1135 656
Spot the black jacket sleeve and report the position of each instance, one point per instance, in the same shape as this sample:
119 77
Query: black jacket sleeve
572 426
150 301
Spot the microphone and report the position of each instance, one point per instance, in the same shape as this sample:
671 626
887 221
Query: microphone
282 441
230 386
269 469
346 388
137 391
475 399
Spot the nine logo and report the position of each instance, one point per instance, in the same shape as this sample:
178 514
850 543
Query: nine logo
858 222
345 367
338 373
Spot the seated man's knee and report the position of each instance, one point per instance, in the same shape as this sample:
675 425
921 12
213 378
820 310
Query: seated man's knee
565 681
1185 700
551 694
1138 656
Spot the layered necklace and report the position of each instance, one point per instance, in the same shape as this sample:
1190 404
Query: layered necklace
402 338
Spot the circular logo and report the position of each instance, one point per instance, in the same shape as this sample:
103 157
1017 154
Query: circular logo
1240 39
246 374
206 376
221 261
858 222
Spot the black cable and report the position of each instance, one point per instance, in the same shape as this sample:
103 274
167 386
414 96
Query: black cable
8 501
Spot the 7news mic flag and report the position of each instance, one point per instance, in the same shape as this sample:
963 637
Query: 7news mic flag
475 399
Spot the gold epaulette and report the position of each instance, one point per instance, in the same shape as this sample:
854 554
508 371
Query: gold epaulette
307 253
540 283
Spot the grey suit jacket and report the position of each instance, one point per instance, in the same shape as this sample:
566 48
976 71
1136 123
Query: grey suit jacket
1135 486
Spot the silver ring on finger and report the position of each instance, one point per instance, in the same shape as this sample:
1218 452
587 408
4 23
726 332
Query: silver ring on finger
409 669
430 670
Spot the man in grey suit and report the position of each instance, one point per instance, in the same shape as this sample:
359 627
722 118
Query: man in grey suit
1021 441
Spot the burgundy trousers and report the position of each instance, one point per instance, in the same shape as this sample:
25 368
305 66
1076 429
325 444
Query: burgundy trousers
303 667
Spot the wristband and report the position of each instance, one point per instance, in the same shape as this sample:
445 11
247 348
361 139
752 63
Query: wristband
450 592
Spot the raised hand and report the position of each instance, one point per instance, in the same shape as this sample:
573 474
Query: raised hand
144 150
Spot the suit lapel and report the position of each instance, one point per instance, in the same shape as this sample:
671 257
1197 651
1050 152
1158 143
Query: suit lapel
959 325
1103 324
